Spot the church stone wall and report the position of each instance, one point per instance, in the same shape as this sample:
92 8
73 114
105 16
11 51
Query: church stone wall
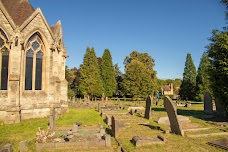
18 104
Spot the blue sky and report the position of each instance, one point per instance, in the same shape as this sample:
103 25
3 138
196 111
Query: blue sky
166 30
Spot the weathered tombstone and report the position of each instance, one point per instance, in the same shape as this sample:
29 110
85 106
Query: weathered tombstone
7 148
220 110
106 99
174 123
75 128
208 106
98 106
52 120
102 132
108 120
115 128
23 146
148 107
107 140
73 99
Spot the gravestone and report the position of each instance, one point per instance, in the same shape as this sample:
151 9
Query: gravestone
73 99
148 107
143 141
52 120
220 110
75 128
208 105
23 146
7 148
98 106
115 128
174 123
108 120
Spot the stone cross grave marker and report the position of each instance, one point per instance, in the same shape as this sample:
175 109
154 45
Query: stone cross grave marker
208 106
174 123
148 107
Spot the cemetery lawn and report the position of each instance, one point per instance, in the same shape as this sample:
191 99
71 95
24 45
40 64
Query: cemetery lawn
26 130
175 143
86 116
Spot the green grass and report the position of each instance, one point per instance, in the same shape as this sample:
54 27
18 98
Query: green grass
86 116
25 130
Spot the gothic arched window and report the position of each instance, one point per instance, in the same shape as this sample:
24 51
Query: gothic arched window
4 58
34 63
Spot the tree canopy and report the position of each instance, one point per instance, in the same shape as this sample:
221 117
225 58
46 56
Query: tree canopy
139 79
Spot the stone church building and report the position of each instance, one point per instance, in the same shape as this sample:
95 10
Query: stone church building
32 63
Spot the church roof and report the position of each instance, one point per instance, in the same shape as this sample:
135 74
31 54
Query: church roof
19 10
53 28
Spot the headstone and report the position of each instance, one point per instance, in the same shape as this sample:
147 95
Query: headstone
75 128
102 131
115 128
208 105
148 107
107 140
23 146
143 141
174 123
106 99
220 110
73 99
131 112
52 120
7 148
108 120
221 143
98 106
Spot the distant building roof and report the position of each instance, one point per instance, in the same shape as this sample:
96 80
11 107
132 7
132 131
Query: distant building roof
167 88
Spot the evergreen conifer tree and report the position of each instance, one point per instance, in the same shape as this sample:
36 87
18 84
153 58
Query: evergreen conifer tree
202 79
108 74
187 88
90 83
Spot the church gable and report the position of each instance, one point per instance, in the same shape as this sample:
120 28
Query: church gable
37 24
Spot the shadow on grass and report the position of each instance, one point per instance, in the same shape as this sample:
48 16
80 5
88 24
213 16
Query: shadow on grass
199 114
152 127
156 109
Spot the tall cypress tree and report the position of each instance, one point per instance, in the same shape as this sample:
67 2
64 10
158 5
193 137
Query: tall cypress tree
187 88
90 82
202 79
108 74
